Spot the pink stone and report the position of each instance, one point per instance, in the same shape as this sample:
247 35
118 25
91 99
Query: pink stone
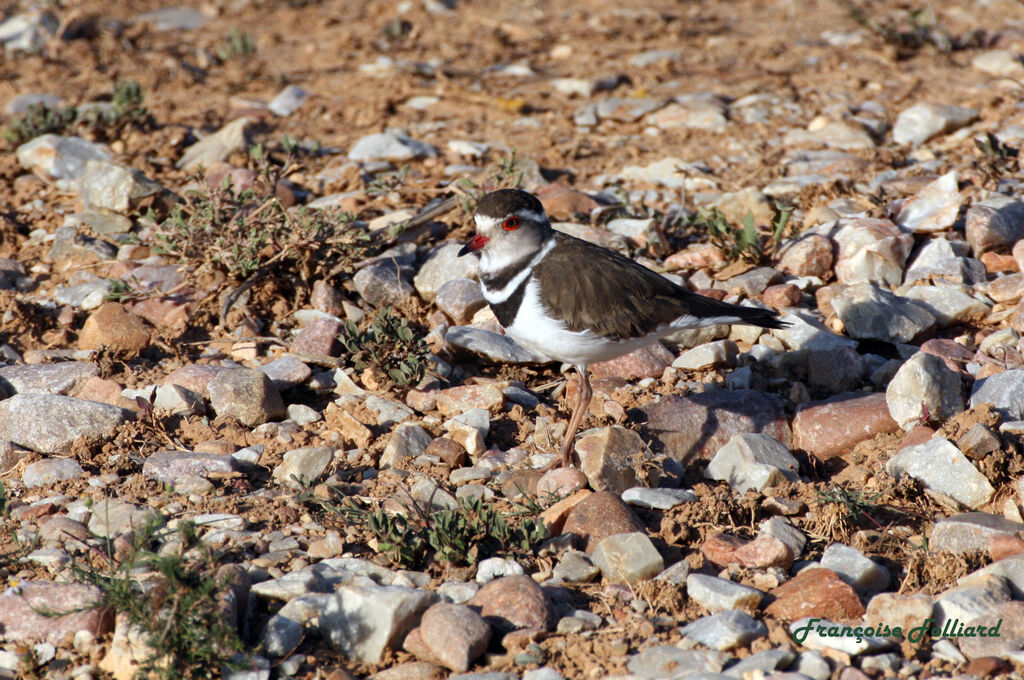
326 299
512 602
165 312
825 428
195 377
598 516
811 255
815 592
318 337
21 622
696 256
720 549
646 362
765 551
456 400
953 354
561 482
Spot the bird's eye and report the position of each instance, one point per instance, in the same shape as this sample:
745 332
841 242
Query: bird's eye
510 223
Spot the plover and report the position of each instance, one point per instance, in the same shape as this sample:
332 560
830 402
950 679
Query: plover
576 302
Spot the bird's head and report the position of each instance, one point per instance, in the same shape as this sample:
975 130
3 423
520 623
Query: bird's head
510 224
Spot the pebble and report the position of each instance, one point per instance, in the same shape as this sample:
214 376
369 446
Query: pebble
112 326
837 424
752 461
286 373
44 472
23 618
765 661
50 423
106 185
817 592
697 425
690 112
932 209
169 466
442 265
949 304
865 575
627 558
318 337
456 400
174 19
719 594
460 299
287 101
490 345
61 378
924 390
497 567
575 567
905 611
389 146
407 441
216 147
646 362
809 255
382 284
247 395
724 630
708 355
921 122
455 634
844 645
302 467
994 223
869 250
364 621
598 516
513 602
111 517
1004 391
609 457
870 312
59 157
561 482
657 499
665 661
970 531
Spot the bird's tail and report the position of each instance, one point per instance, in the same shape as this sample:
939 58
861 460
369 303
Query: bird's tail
725 312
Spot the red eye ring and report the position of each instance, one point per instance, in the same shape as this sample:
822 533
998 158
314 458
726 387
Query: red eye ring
510 223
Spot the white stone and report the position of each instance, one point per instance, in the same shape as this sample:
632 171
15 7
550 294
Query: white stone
863 574
752 461
718 594
940 466
923 390
362 621
934 208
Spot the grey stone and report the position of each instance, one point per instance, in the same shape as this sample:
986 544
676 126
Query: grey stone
781 529
246 394
752 461
169 466
718 594
282 635
490 345
807 332
22 102
382 283
975 597
109 186
724 630
978 441
1004 391
363 621
302 467
455 634
575 567
59 157
949 304
68 243
1010 568
697 425
288 101
872 313
708 355
1006 641
388 411
970 531
676 573
443 264
657 499
101 223
214 148
609 457
60 378
50 470
50 423
111 517
85 295
921 122
940 466
922 390
863 574
996 222
627 110
460 299
765 661
407 441
389 146
628 558
665 662
286 373
174 18
848 645
300 414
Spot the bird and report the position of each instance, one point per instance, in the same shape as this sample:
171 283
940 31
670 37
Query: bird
576 302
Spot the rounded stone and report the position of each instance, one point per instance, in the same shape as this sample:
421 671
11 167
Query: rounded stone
455 634
247 395
599 516
513 602
111 325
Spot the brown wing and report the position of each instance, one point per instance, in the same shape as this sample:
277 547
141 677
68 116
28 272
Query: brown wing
617 298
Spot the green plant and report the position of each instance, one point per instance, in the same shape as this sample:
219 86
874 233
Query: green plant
385 182
857 504
745 242
471 531
180 614
236 44
39 119
388 343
